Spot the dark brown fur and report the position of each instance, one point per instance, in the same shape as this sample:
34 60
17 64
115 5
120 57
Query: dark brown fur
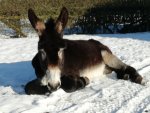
79 55
76 55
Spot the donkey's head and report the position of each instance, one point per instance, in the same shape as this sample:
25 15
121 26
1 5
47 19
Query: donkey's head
50 42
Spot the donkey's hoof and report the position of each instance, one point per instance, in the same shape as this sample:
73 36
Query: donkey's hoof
86 80
144 82
138 80
126 77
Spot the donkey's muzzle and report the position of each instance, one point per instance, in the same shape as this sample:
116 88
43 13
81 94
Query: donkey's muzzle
54 88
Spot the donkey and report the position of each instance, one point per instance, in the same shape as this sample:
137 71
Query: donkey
72 64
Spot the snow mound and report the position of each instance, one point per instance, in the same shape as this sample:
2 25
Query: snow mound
109 95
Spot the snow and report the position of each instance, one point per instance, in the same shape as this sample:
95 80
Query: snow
108 95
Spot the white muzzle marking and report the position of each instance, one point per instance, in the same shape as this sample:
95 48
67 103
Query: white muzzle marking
52 78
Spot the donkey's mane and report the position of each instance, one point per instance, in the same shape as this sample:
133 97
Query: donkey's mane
50 24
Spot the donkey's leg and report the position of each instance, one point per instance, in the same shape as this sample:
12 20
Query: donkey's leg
123 70
68 83
35 87
72 83
37 67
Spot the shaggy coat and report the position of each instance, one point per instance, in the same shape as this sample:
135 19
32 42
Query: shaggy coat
72 64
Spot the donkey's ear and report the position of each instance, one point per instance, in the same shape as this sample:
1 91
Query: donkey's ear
62 20
36 23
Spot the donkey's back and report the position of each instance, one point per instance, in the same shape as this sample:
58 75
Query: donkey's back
80 55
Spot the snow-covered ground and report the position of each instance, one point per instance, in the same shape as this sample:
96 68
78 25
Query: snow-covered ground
108 95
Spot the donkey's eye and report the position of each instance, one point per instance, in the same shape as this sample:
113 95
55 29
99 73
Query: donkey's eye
42 54
42 58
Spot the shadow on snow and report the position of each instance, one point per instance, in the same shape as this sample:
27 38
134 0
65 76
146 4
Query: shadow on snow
16 75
